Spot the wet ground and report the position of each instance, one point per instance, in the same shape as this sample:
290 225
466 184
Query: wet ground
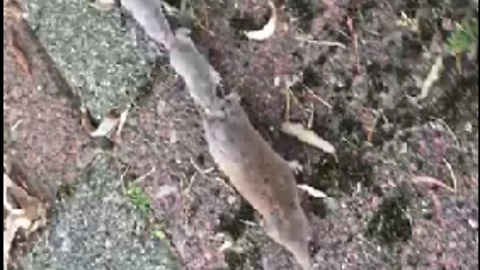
358 67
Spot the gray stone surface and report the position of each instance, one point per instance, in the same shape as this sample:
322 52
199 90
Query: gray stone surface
100 60
97 228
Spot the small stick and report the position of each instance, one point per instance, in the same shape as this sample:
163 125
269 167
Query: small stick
202 172
312 115
143 177
325 43
287 105
355 42
323 101
431 181
452 174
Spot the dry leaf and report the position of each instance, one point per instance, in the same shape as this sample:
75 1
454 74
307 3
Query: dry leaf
20 57
107 126
29 216
267 30
312 191
297 130
13 222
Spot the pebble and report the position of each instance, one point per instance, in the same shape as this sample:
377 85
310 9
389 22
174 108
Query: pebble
473 223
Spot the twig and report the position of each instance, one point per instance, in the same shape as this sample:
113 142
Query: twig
355 42
432 77
119 184
287 105
323 101
16 124
200 170
431 181
449 130
249 223
143 177
437 207
321 42
190 184
311 118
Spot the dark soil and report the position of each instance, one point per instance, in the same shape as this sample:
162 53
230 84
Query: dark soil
383 139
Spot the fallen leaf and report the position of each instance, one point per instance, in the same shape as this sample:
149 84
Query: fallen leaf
267 30
107 126
20 57
13 222
312 191
297 130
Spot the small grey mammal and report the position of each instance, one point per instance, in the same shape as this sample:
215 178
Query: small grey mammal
261 176
199 76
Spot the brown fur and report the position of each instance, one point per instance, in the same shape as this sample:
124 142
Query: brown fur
261 176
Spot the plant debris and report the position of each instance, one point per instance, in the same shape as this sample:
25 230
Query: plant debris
312 191
431 181
29 216
432 77
267 30
298 131
107 126
121 123
111 122
20 57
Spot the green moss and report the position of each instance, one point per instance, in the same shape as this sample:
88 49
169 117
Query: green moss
344 175
138 198
390 223
463 38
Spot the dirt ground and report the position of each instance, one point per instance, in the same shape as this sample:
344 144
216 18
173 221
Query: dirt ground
361 89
